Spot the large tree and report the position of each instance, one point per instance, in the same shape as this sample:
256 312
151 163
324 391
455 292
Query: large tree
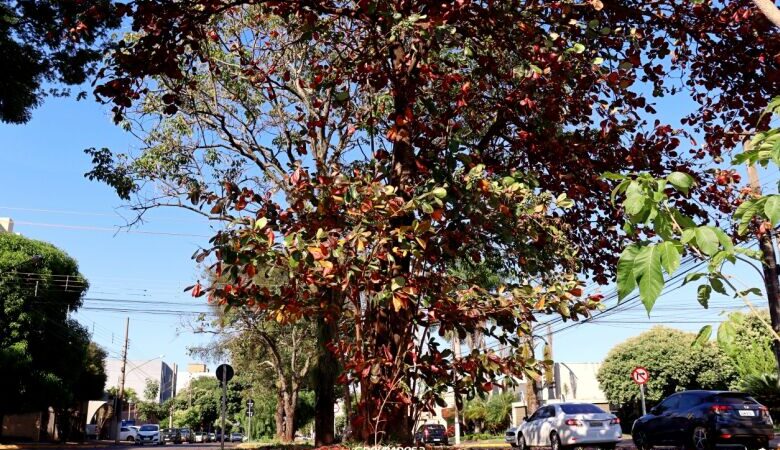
47 358
363 148
48 46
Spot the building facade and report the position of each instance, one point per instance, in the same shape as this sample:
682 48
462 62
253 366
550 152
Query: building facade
138 373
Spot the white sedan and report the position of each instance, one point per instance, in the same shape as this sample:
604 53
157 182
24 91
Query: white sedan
129 434
567 425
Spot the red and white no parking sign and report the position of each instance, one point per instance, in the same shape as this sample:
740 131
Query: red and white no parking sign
640 375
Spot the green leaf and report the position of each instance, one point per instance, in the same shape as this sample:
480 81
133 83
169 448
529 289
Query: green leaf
670 256
634 203
626 282
687 235
717 285
440 192
703 336
726 334
703 295
662 225
397 283
578 48
707 241
647 271
724 239
684 221
681 181
755 291
692 277
613 176
772 208
619 189
261 223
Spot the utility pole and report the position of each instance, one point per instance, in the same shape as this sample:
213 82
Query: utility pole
456 355
549 376
121 396
769 264
224 409
173 394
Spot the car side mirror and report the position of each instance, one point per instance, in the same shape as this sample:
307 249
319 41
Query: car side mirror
525 418
654 411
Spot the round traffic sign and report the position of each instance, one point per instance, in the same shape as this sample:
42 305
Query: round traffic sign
640 375
224 372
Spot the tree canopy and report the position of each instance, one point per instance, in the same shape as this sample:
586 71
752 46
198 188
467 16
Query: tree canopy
673 362
46 44
363 148
47 358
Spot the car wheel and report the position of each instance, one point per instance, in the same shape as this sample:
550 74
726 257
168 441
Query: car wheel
641 441
521 443
700 439
130 439
555 442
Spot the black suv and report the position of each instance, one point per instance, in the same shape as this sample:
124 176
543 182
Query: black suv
699 420
170 435
431 433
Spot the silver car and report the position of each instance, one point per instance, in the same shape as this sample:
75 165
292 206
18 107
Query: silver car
566 424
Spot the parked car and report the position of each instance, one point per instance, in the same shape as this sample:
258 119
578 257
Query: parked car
431 433
186 435
700 420
566 424
128 434
171 435
236 437
212 437
149 434
201 437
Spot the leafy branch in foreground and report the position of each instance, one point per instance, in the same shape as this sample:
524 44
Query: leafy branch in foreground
650 207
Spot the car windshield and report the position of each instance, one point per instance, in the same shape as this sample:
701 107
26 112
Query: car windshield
149 428
584 408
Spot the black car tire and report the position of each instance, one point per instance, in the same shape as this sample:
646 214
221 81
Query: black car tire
130 439
521 443
555 442
641 441
699 439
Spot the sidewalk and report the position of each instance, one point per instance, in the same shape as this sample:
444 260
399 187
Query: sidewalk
52 445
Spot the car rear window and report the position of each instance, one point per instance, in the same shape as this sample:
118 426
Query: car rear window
435 427
584 408
734 399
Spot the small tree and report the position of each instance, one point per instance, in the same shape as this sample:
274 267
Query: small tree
674 365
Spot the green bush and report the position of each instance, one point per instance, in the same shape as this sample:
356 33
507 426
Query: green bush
766 389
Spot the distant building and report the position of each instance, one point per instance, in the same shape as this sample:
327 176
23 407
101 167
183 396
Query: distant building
138 372
6 225
194 370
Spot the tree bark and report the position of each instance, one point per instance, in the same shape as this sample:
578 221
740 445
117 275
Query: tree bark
325 374
289 416
279 416
770 10
772 285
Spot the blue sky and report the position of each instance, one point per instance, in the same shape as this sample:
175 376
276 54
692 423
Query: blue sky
42 168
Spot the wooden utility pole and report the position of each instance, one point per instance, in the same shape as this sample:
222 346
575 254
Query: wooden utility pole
121 397
456 355
769 264
549 374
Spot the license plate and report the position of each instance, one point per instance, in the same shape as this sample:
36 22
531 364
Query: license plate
747 413
597 424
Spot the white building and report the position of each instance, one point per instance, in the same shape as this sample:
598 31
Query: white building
194 371
138 372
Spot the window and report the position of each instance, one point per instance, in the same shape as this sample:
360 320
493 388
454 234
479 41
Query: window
547 412
688 401
149 428
123 429
734 398
584 408
669 404
535 415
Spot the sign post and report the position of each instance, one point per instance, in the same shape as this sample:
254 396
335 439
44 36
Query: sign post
640 375
224 373
249 405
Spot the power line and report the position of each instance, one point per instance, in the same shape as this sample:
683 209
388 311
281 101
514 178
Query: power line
107 229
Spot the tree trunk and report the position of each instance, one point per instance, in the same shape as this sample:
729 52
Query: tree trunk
325 374
289 416
772 285
347 413
279 416
770 11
